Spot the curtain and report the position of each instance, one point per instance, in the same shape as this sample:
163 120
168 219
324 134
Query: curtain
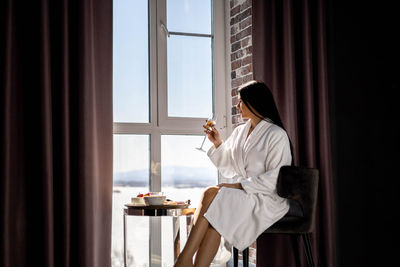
56 133
289 54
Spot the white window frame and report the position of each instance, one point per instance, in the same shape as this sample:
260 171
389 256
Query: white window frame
159 124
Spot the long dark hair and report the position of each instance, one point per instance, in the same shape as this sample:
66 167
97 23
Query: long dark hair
256 95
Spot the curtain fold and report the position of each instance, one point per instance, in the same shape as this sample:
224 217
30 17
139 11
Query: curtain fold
289 54
56 133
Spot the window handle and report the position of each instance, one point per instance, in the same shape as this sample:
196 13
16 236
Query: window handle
164 28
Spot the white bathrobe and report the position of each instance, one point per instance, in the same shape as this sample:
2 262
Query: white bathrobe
240 216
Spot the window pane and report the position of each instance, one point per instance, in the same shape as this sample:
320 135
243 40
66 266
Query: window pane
185 171
191 16
131 160
189 77
130 61
137 242
131 176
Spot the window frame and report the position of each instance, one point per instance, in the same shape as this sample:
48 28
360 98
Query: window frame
159 124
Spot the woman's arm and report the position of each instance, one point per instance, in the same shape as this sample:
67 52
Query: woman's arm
221 155
235 186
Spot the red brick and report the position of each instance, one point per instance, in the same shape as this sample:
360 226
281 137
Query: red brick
247 60
235 46
234 111
252 252
234 101
234 92
236 64
245 5
244 23
234 3
236 82
244 70
244 33
233 75
235 11
248 77
246 13
234 29
238 54
246 41
249 50
236 19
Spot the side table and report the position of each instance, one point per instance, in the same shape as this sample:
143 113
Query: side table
181 228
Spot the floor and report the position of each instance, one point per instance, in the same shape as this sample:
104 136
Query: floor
230 264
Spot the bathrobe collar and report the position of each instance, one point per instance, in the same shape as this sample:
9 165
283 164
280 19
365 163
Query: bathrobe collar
255 135
242 147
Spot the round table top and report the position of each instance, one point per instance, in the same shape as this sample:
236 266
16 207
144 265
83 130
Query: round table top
156 207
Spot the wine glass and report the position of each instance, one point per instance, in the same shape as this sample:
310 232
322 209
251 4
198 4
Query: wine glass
211 122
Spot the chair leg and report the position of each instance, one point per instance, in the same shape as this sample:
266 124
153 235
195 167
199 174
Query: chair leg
235 257
295 247
308 250
245 255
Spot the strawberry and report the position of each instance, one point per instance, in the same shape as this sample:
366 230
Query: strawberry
140 195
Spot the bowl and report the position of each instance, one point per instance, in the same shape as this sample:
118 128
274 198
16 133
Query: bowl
156 193
137 201
153 200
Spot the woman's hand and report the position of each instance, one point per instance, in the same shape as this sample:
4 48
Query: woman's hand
213 135
235 186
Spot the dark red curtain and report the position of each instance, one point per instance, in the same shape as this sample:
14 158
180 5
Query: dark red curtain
56 133
289 54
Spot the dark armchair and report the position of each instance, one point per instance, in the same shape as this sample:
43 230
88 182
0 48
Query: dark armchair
300 186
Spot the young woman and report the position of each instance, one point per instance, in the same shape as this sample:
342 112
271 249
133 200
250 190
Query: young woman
252 156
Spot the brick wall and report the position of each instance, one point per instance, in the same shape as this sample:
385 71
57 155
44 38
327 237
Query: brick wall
241 52
241 48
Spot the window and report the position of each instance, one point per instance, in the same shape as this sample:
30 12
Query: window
169 77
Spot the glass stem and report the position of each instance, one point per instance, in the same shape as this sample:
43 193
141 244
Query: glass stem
203 142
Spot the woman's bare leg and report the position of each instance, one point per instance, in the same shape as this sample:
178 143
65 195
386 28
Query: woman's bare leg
208 248
199 229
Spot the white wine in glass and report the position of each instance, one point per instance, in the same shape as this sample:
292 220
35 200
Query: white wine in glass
211 122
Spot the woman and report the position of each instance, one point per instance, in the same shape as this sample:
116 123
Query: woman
252 156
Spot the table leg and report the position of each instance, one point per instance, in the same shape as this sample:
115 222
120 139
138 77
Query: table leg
124 239
155 242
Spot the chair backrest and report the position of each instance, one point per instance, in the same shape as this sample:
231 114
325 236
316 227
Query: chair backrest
301 185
